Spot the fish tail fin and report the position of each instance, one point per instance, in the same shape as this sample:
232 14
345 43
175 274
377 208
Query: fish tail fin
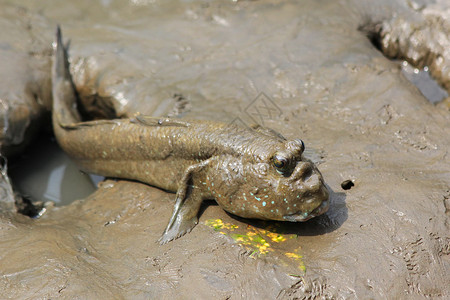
65 97
60 62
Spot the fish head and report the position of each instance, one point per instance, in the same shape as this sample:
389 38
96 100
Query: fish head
282 186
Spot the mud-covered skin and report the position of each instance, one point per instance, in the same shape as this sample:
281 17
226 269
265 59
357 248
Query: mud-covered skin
252 173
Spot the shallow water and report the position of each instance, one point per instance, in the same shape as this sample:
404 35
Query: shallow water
45 173
422 79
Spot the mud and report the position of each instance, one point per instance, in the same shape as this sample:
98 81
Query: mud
25 86
420 36
305 69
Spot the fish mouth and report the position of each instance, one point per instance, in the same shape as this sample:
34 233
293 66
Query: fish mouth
305 216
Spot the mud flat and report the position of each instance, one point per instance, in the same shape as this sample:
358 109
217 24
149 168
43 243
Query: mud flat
305 69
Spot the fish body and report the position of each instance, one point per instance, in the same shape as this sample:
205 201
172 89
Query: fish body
250 172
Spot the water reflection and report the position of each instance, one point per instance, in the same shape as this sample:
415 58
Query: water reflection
45 173
422 79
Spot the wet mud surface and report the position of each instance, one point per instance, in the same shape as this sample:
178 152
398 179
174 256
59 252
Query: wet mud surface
304 69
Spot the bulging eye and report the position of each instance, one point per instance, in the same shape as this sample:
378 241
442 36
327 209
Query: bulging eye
280 163
296 148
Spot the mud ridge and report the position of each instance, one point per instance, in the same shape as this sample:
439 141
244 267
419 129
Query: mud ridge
423 43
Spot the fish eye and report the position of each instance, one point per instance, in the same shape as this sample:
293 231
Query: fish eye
281 163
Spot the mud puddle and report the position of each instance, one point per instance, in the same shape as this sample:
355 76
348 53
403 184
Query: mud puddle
422 79
45 173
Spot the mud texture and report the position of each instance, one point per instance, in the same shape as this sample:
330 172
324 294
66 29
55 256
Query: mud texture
24 90
25 80
304 69
421 37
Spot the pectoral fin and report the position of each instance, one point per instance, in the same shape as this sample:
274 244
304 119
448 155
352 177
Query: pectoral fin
188 200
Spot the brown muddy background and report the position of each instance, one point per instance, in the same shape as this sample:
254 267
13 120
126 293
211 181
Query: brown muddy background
322 80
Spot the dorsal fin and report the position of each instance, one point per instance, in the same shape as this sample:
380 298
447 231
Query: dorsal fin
153 121
267 131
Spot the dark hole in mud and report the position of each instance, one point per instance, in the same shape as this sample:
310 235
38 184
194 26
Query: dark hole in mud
29 208
347 184
205 204
418 75
45 173
96 108
372 32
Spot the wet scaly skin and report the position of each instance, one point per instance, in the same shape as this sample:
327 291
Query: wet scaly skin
250 172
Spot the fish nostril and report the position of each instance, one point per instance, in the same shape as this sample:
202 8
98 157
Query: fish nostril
308 173
305 171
